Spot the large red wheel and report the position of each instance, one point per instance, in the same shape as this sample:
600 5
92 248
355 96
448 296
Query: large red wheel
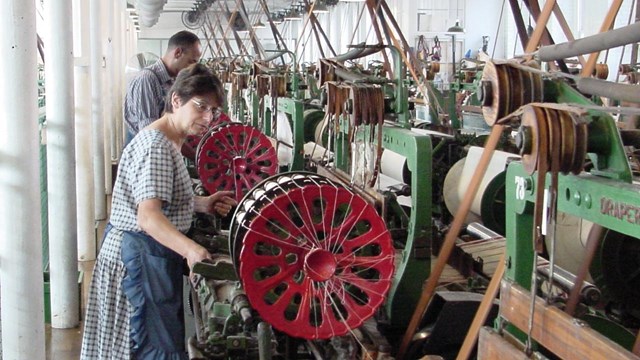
192 141
235 157
316 259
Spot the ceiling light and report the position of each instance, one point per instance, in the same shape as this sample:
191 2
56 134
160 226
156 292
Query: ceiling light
456 28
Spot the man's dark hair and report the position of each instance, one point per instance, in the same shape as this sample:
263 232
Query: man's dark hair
183 39
195 80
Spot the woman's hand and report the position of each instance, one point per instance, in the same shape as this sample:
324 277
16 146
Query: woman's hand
196 254
222 202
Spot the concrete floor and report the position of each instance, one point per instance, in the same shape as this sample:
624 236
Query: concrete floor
65 344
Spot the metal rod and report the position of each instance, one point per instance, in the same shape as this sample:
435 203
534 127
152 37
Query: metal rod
593 241
478 230
264 341
603 88
566 281
606 40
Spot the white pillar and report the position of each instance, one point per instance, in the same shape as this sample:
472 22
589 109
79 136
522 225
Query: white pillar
108 89
84 164
95 31
61 180
22 300
121 62
118 66
84 159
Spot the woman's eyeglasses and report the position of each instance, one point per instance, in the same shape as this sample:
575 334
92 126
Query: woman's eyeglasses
203 107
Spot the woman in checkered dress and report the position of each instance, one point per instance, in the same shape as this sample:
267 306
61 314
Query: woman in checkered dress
135 299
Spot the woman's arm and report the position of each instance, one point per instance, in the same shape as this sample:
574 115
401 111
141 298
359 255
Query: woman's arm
155 223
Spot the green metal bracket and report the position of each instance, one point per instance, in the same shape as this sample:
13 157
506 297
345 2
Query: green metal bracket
604 201
295 109
448 101
605 145
415 263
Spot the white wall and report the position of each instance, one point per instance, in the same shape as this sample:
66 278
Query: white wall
421 17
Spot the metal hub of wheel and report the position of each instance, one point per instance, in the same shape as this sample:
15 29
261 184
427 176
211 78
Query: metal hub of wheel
235 157
315 259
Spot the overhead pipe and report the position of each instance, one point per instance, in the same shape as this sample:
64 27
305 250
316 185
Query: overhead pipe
603 88
349 75
22 299
607 40
358 51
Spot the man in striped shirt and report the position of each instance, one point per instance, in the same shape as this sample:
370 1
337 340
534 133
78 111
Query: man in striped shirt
146 93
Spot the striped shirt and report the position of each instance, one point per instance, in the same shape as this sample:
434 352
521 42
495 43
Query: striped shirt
146 93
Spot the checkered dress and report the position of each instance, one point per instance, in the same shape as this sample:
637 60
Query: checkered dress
150 168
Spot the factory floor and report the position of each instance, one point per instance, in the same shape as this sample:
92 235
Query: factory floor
65 344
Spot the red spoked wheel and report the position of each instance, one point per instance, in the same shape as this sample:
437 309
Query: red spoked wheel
235 157
316 259
193 141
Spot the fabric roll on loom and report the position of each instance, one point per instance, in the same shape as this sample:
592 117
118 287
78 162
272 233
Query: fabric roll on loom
491 187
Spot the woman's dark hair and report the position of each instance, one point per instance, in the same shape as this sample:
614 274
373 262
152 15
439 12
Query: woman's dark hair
195 80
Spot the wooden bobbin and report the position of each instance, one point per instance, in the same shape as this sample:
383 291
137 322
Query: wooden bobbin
504 88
